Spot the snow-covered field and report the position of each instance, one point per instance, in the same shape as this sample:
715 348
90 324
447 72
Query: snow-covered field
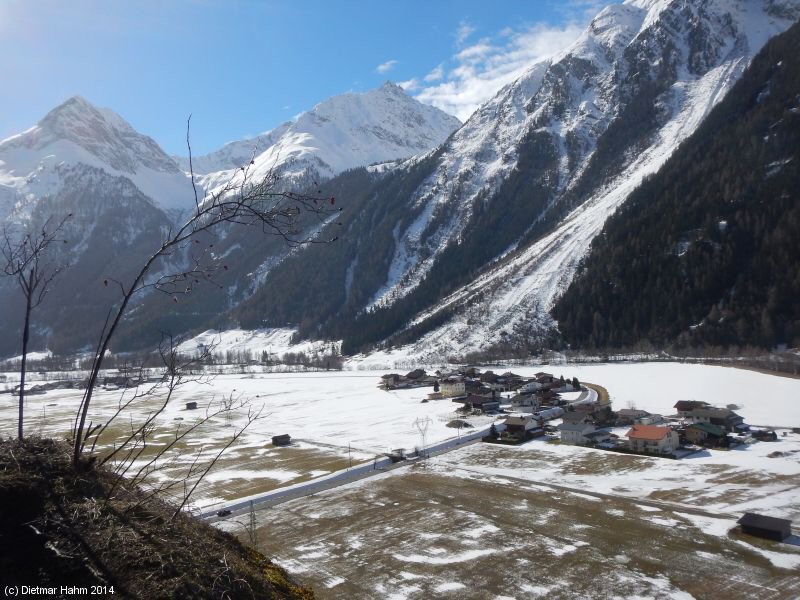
341 407
497 522
334 408
729 483
541 517
274 341
341 416
334 417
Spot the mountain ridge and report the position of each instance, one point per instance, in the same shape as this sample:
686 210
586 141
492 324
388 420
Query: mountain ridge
716 224
126 193
582 130
339 133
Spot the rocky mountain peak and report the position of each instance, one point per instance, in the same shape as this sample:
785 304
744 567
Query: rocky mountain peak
345 131
78 134
102 133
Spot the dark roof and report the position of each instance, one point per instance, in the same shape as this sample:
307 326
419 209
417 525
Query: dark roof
624 412
764 522
712 412
474 399
524 399
575 416
683 405
574 426
517 420
709 429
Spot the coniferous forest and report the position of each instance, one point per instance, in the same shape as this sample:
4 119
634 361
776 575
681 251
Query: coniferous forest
707 251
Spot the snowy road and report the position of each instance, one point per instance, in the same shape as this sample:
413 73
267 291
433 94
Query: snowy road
333 480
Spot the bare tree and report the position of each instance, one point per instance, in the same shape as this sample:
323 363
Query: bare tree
25 259
136 458
242 201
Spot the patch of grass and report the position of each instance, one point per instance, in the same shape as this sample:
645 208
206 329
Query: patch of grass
83 527
425 527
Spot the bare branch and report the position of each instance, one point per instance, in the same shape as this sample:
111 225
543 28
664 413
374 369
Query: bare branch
252 417
191 167
240 201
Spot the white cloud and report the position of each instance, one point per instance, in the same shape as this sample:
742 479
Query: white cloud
386 67
410 85
436 74
476 51
478 71
463 32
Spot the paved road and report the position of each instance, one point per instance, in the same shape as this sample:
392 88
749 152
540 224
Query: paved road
332 480
346 476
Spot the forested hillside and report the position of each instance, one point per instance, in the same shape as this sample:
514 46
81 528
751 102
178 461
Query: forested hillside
459 249
706 251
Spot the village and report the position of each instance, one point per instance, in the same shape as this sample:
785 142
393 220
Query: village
567 412
572 413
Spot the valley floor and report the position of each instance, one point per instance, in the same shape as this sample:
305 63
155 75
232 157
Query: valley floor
498 522
486 521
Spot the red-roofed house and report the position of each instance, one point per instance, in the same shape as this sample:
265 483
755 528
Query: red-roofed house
653 439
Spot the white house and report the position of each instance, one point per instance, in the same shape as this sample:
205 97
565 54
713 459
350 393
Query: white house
521 425
451 387
567 387
525 403
649 419
575 433
531 387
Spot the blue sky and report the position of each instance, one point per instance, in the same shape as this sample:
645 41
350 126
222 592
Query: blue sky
243 67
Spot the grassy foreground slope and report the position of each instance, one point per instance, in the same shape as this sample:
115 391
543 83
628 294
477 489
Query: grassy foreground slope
57 529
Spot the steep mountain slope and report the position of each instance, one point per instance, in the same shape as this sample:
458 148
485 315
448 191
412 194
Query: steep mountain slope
343 132
705 251
124 193
470 246
113 227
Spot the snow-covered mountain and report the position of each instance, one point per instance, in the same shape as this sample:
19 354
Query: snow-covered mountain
469 245
606 112
35 162
124 192
462 246
345 131
611 108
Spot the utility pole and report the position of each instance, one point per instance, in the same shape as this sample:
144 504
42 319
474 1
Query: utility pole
422 427
253 527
